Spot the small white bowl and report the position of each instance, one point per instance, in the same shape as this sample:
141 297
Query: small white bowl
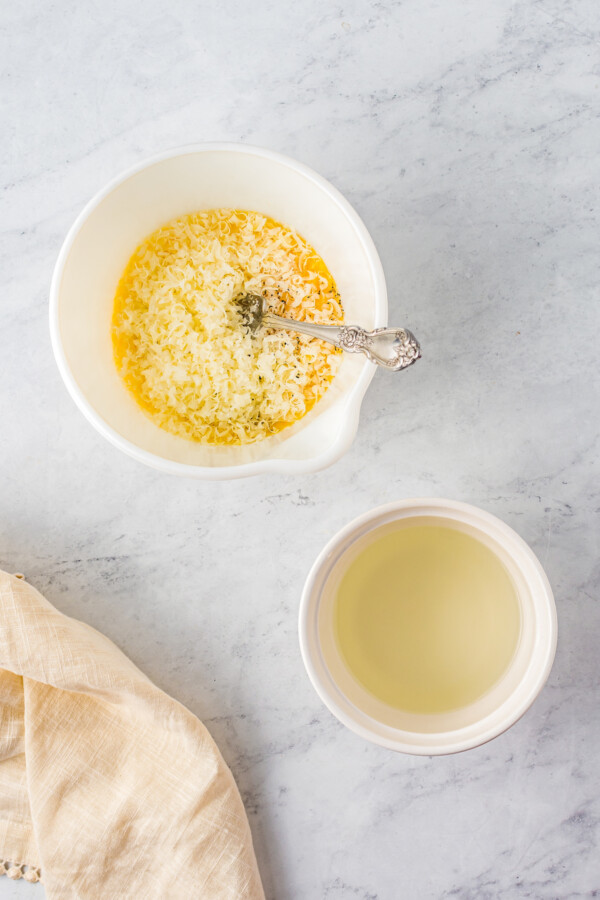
449 732
114 223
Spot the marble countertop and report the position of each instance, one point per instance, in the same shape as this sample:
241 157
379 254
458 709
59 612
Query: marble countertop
467 136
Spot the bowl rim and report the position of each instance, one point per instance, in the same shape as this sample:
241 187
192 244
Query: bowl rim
354 398
426 744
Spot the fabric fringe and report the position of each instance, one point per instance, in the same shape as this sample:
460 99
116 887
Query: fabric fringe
20 870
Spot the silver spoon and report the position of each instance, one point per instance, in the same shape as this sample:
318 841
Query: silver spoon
392 348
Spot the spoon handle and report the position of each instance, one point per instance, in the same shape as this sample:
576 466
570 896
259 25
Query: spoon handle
392 348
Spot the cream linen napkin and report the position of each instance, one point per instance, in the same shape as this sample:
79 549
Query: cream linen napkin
107 785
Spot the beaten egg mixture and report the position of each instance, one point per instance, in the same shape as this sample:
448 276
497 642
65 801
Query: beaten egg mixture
178 340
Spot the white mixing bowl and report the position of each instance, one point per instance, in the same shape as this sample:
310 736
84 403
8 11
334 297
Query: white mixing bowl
182 181
448 732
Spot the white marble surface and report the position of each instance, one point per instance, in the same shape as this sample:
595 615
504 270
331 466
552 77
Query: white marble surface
467 135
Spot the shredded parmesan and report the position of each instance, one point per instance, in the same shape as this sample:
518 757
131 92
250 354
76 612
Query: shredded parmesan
179 343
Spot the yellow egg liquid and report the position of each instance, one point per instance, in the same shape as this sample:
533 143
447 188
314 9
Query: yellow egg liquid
426 618
178 341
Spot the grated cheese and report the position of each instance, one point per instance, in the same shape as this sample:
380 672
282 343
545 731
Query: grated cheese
177 338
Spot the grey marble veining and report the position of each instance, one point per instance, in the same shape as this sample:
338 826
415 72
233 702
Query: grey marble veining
467 135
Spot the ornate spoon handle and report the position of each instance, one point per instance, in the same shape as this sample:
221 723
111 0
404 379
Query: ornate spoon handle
392 348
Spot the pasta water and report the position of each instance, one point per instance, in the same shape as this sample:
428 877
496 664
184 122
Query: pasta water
426 617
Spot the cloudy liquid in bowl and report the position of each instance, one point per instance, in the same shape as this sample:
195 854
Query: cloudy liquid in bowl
426 618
